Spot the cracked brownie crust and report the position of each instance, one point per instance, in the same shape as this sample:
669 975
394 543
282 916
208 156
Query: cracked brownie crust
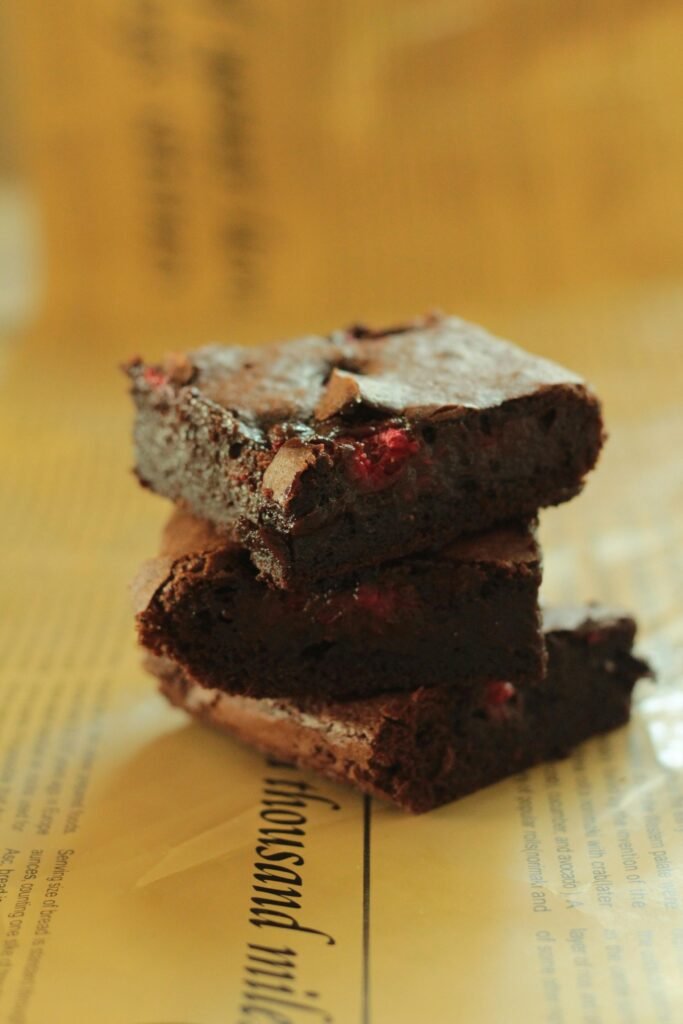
329 453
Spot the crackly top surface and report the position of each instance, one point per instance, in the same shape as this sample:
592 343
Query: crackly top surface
435 366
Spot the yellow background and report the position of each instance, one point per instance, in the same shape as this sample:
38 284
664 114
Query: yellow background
517 162
496 157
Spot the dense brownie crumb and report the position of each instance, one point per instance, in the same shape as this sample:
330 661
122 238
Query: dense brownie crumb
326 454
464 614
425 748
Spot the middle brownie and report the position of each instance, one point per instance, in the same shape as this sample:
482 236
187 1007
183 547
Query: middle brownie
465 614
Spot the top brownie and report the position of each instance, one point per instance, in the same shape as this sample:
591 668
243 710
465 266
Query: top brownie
326 454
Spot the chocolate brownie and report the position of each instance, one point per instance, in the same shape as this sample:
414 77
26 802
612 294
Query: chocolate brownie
462 614
330 453
425 748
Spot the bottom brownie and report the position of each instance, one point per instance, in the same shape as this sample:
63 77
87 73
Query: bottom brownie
425 748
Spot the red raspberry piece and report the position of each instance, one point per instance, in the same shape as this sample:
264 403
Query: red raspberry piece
499 693
499 701
154 376
377 604
383 603
379 458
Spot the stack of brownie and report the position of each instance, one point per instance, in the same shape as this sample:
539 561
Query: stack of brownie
349 579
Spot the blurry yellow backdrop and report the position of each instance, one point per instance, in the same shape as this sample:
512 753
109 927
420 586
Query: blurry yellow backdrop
253 168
